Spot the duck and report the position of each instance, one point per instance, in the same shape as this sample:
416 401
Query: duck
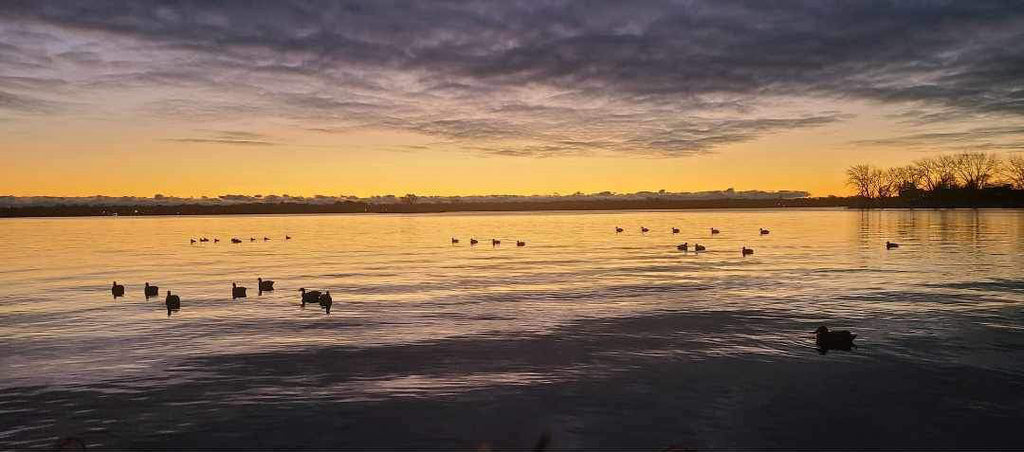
326 301
252 239
826 340
698 247
714 231
495 242
683 247
287 237
454 240
192 241
675 230
891 245
618 229
173 303
265 285
266 239
151 291
520 243
746 251
237 291
236 240
765 231
643 229
117 289
473 241
216 240
204 239
312 296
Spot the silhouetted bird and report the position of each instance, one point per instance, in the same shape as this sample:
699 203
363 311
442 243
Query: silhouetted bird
827 340
151 291
698 247
287 237
192 241
454 240
765 231
746 251
326 301
890 245
216 240
495 242
618 230
643 229
117 290
312 296
236 240
714 231
683 246
265 285
252 239
520 243
473 241
237 291
675 230
204 239
266 239
173 303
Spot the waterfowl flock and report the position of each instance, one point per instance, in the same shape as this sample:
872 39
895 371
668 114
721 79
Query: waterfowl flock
173 302
235 240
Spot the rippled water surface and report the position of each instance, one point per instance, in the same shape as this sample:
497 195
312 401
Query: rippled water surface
600 339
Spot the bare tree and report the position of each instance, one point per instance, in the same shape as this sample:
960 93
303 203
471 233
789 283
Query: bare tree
879 184
976 169
901 179
1014 171
859 177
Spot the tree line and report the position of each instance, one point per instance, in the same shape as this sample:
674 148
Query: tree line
963 174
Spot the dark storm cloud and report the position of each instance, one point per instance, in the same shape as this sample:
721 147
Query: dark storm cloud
641 77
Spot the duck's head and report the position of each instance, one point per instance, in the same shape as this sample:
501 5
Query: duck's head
821 330
303 290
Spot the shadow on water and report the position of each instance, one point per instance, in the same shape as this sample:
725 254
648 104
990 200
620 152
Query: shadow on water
589 384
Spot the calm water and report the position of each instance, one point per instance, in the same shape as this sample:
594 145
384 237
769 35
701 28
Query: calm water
601 339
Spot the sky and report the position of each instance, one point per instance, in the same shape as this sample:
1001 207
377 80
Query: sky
461 98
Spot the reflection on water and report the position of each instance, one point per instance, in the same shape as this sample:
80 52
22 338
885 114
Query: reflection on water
603 338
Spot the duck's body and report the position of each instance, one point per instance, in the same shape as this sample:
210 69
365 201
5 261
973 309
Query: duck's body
746 251
765 231
265 285
173 303
828 340
117 289
311 296
643 229
891 245
683 246
495 242
151 291
326 301
675 230
714 231
237 291
236 240
698 247
618 230
520 243
454 240
473 241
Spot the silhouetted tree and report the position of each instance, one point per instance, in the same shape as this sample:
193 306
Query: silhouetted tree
1013 171
859 177
976 169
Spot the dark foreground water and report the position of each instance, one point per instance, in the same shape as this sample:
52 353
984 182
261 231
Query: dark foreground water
600 339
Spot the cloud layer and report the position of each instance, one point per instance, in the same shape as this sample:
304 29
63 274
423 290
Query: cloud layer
553 78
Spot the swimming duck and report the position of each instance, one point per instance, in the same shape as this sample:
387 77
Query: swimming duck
891 245
714 231
173 303
287 237
192 241
520 243
216 240
495 242
454 240
326 301
265 285
151 291
266 239
117 290
204 239
312 296
747 251
236 240
826 340
765 231
698 247
683 247
473 241
643 229
675 230
252 239
618 229
237 291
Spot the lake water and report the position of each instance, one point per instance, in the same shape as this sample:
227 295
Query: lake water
597 338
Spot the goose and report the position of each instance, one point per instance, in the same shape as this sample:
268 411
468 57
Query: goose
326 301
765 231
826 340
714 231
173 303
683 247
311 296
618 230
495 242
454 240
265 285
151 291
192 241
520 243
117 290
643 229
747 251
237 291
675 230
236 240
473 241
891 245
698 247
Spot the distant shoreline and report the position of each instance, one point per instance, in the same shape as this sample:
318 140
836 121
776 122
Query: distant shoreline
1015 200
